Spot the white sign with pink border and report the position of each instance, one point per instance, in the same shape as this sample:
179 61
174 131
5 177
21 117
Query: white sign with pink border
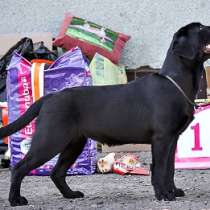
193 148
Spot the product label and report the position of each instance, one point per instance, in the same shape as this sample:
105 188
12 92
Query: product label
25 96
92 33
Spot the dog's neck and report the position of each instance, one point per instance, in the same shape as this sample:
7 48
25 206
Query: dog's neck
187 78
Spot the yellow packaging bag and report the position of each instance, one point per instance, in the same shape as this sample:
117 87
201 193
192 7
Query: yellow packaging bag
104 72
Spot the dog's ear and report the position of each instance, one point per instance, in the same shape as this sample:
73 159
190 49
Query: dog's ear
182 47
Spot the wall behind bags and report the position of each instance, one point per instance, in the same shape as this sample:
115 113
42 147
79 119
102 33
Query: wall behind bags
151 24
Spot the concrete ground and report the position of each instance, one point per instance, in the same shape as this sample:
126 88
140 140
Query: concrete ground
110 191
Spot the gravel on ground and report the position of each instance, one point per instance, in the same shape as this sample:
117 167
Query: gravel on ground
110 191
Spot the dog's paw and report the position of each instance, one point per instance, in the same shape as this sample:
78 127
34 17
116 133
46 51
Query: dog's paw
169 196
179 192
73 194
18 201
165 195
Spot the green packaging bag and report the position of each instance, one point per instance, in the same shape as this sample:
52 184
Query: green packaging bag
104 72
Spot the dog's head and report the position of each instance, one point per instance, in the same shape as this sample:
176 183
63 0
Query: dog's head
192 42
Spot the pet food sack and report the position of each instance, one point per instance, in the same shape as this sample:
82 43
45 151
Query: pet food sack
104 72
91 38
26 82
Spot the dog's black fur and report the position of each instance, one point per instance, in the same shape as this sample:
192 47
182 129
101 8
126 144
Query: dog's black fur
147 110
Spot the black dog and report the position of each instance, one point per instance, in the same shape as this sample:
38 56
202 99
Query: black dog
154 109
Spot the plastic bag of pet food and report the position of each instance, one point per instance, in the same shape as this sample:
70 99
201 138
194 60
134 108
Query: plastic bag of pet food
104 72
29 50
91 38
26 82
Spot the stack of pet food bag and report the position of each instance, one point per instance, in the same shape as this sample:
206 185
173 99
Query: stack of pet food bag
90 57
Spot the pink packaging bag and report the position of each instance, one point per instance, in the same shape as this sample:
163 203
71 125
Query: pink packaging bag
69 70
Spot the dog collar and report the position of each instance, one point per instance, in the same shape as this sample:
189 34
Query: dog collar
180 90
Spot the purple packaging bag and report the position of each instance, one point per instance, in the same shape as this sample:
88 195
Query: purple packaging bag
69 70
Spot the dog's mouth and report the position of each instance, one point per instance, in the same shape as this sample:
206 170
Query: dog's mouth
206 49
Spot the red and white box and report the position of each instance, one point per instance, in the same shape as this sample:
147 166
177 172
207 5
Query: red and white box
193 148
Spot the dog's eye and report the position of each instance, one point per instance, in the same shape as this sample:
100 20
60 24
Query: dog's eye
200 28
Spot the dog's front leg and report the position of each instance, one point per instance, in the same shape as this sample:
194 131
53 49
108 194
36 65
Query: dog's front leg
160 153
171 166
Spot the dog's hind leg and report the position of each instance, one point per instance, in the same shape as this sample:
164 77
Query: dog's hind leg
17 175
66 159
38 154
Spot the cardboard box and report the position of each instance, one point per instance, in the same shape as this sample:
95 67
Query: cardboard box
208 76
133 74
8 40
127 148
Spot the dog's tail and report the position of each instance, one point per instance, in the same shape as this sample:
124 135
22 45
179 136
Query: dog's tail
23 120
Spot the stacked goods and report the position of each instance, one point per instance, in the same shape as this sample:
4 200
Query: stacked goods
29 79
26 82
